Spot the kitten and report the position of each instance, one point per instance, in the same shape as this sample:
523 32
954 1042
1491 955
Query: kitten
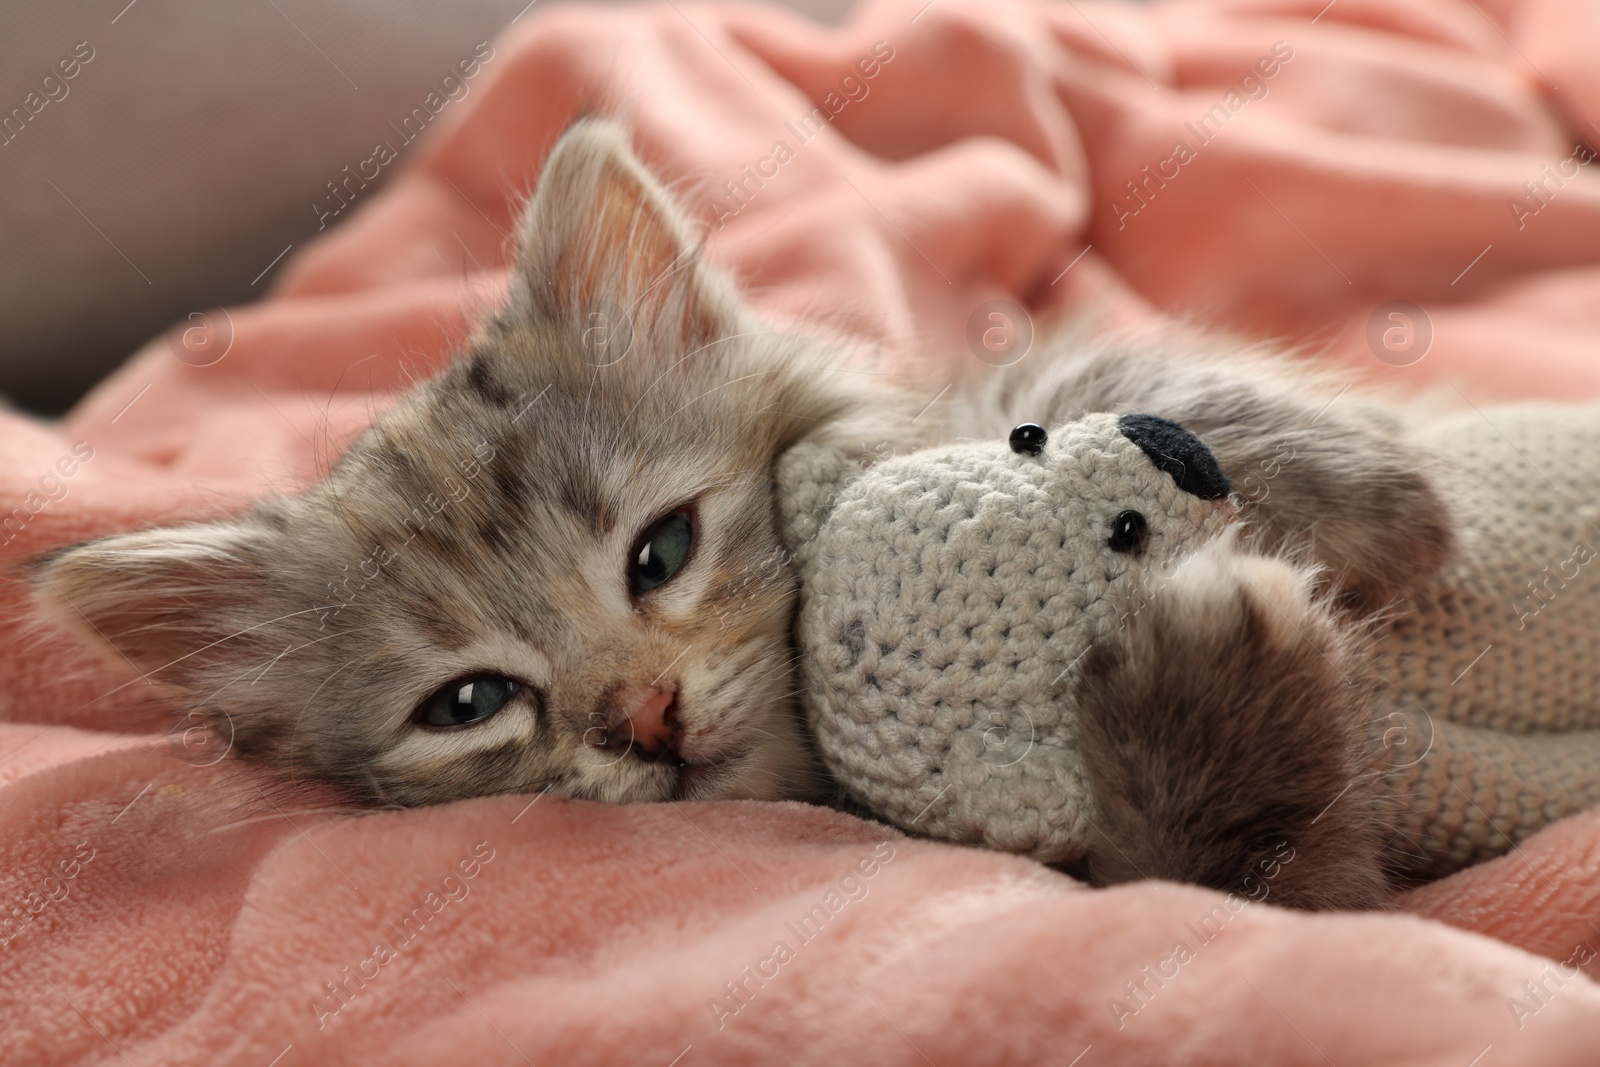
554 566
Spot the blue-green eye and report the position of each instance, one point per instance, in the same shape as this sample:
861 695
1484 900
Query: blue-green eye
660 552
467 701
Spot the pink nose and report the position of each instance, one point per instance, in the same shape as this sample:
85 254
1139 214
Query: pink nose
644 721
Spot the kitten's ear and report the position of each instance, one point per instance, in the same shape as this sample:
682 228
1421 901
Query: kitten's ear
809 480
162 598
602 237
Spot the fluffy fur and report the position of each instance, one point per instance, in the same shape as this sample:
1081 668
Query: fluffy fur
485 525
1199 715
1317 466
1225 732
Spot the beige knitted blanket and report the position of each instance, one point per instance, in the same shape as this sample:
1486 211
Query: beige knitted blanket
1490 721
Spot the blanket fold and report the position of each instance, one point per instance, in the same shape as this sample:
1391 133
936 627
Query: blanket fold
1292 169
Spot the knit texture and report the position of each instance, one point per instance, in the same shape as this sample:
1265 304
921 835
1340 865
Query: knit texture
1501 644
948 595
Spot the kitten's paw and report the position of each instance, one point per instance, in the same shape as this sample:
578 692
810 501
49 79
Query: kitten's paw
1224 732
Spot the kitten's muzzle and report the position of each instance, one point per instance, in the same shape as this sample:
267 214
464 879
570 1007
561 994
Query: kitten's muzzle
643 722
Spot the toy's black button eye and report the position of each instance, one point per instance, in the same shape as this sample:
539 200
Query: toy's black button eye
1128 531
1029 437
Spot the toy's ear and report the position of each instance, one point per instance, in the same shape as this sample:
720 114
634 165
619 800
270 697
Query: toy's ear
809 480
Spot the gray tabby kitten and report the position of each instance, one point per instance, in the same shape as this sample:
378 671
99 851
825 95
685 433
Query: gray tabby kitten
555 566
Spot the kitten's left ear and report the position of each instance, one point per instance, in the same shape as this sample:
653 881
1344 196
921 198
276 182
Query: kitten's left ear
601 236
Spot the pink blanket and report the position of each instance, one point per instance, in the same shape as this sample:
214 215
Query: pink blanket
1283 167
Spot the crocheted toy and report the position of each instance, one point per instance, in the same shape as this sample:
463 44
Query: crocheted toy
1064 645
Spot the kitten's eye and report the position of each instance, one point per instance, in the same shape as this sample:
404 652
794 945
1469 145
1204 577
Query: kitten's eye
467 701
660 552
1128 532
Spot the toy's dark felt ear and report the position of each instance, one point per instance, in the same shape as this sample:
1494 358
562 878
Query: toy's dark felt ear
1179 453
809 480
1223 729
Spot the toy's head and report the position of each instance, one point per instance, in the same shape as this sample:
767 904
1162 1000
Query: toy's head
949 597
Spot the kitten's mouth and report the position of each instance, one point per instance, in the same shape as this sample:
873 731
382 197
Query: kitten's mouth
699 780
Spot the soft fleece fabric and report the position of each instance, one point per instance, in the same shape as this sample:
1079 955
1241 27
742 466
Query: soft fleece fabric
160 911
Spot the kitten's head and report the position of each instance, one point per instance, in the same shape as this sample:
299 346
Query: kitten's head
554 566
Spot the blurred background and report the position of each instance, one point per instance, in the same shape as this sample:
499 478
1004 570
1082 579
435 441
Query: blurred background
177 166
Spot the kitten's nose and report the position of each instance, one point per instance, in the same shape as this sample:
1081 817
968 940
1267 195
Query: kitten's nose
644 721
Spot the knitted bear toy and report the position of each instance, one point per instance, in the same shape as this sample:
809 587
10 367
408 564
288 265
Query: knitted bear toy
1064 645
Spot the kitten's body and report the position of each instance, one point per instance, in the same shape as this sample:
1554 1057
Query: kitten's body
485 527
